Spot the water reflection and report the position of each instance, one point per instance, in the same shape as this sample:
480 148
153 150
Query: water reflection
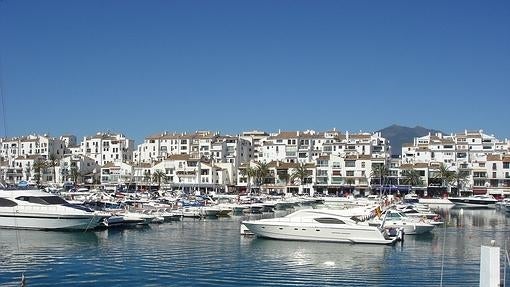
318 254
212 253
27 249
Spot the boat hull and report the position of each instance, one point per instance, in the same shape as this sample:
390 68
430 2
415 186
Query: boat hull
434 201
49 222
473 203
316 233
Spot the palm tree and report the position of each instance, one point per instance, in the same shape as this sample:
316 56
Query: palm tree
261 173
52 162
445 175
248 172
460 177
74 174
411 177
380 171
158 176
301 173
147 176
39 166
28 172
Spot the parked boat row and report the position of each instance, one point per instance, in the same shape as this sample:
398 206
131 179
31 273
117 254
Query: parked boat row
83 210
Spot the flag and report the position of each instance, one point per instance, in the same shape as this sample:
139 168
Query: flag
378 211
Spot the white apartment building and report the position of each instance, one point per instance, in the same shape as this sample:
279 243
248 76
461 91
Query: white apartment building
117 174
77 168
31 145
201 144
481 155
255 138
22 168
158 147
106 147
229 149
290 146
186 173
309 146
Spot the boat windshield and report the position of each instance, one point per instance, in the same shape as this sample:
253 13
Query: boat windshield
329 220
46 200
394 215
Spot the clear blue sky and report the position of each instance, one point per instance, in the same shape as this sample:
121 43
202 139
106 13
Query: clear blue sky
141 67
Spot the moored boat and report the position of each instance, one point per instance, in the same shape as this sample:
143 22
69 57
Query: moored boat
35 209
319 225
483 201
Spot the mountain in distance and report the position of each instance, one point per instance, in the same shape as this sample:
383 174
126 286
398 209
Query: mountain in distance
399 135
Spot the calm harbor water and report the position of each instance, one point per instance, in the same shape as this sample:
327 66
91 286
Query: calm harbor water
212 253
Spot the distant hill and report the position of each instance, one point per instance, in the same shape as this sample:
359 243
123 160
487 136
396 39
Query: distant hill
398 135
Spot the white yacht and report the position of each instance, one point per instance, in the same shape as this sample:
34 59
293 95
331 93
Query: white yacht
319 225
35 209
474 201
411 226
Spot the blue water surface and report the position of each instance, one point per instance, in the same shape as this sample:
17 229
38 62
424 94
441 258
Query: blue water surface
211 252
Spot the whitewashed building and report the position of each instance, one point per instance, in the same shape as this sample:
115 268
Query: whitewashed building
106 147
79 169
42 145
482 156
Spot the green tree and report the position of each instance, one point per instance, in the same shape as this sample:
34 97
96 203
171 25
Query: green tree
147 176
52 163
28 172
74 174
445 175
411 177
249 173
380 172
159 176
261 173
302 173
460 177
39 166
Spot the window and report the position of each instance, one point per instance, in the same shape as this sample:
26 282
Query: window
350 163
494 166
322 172
506 165
46 200
329 220
7 203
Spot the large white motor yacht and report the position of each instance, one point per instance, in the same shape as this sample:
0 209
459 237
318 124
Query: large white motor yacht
475 201
35 209
319 225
